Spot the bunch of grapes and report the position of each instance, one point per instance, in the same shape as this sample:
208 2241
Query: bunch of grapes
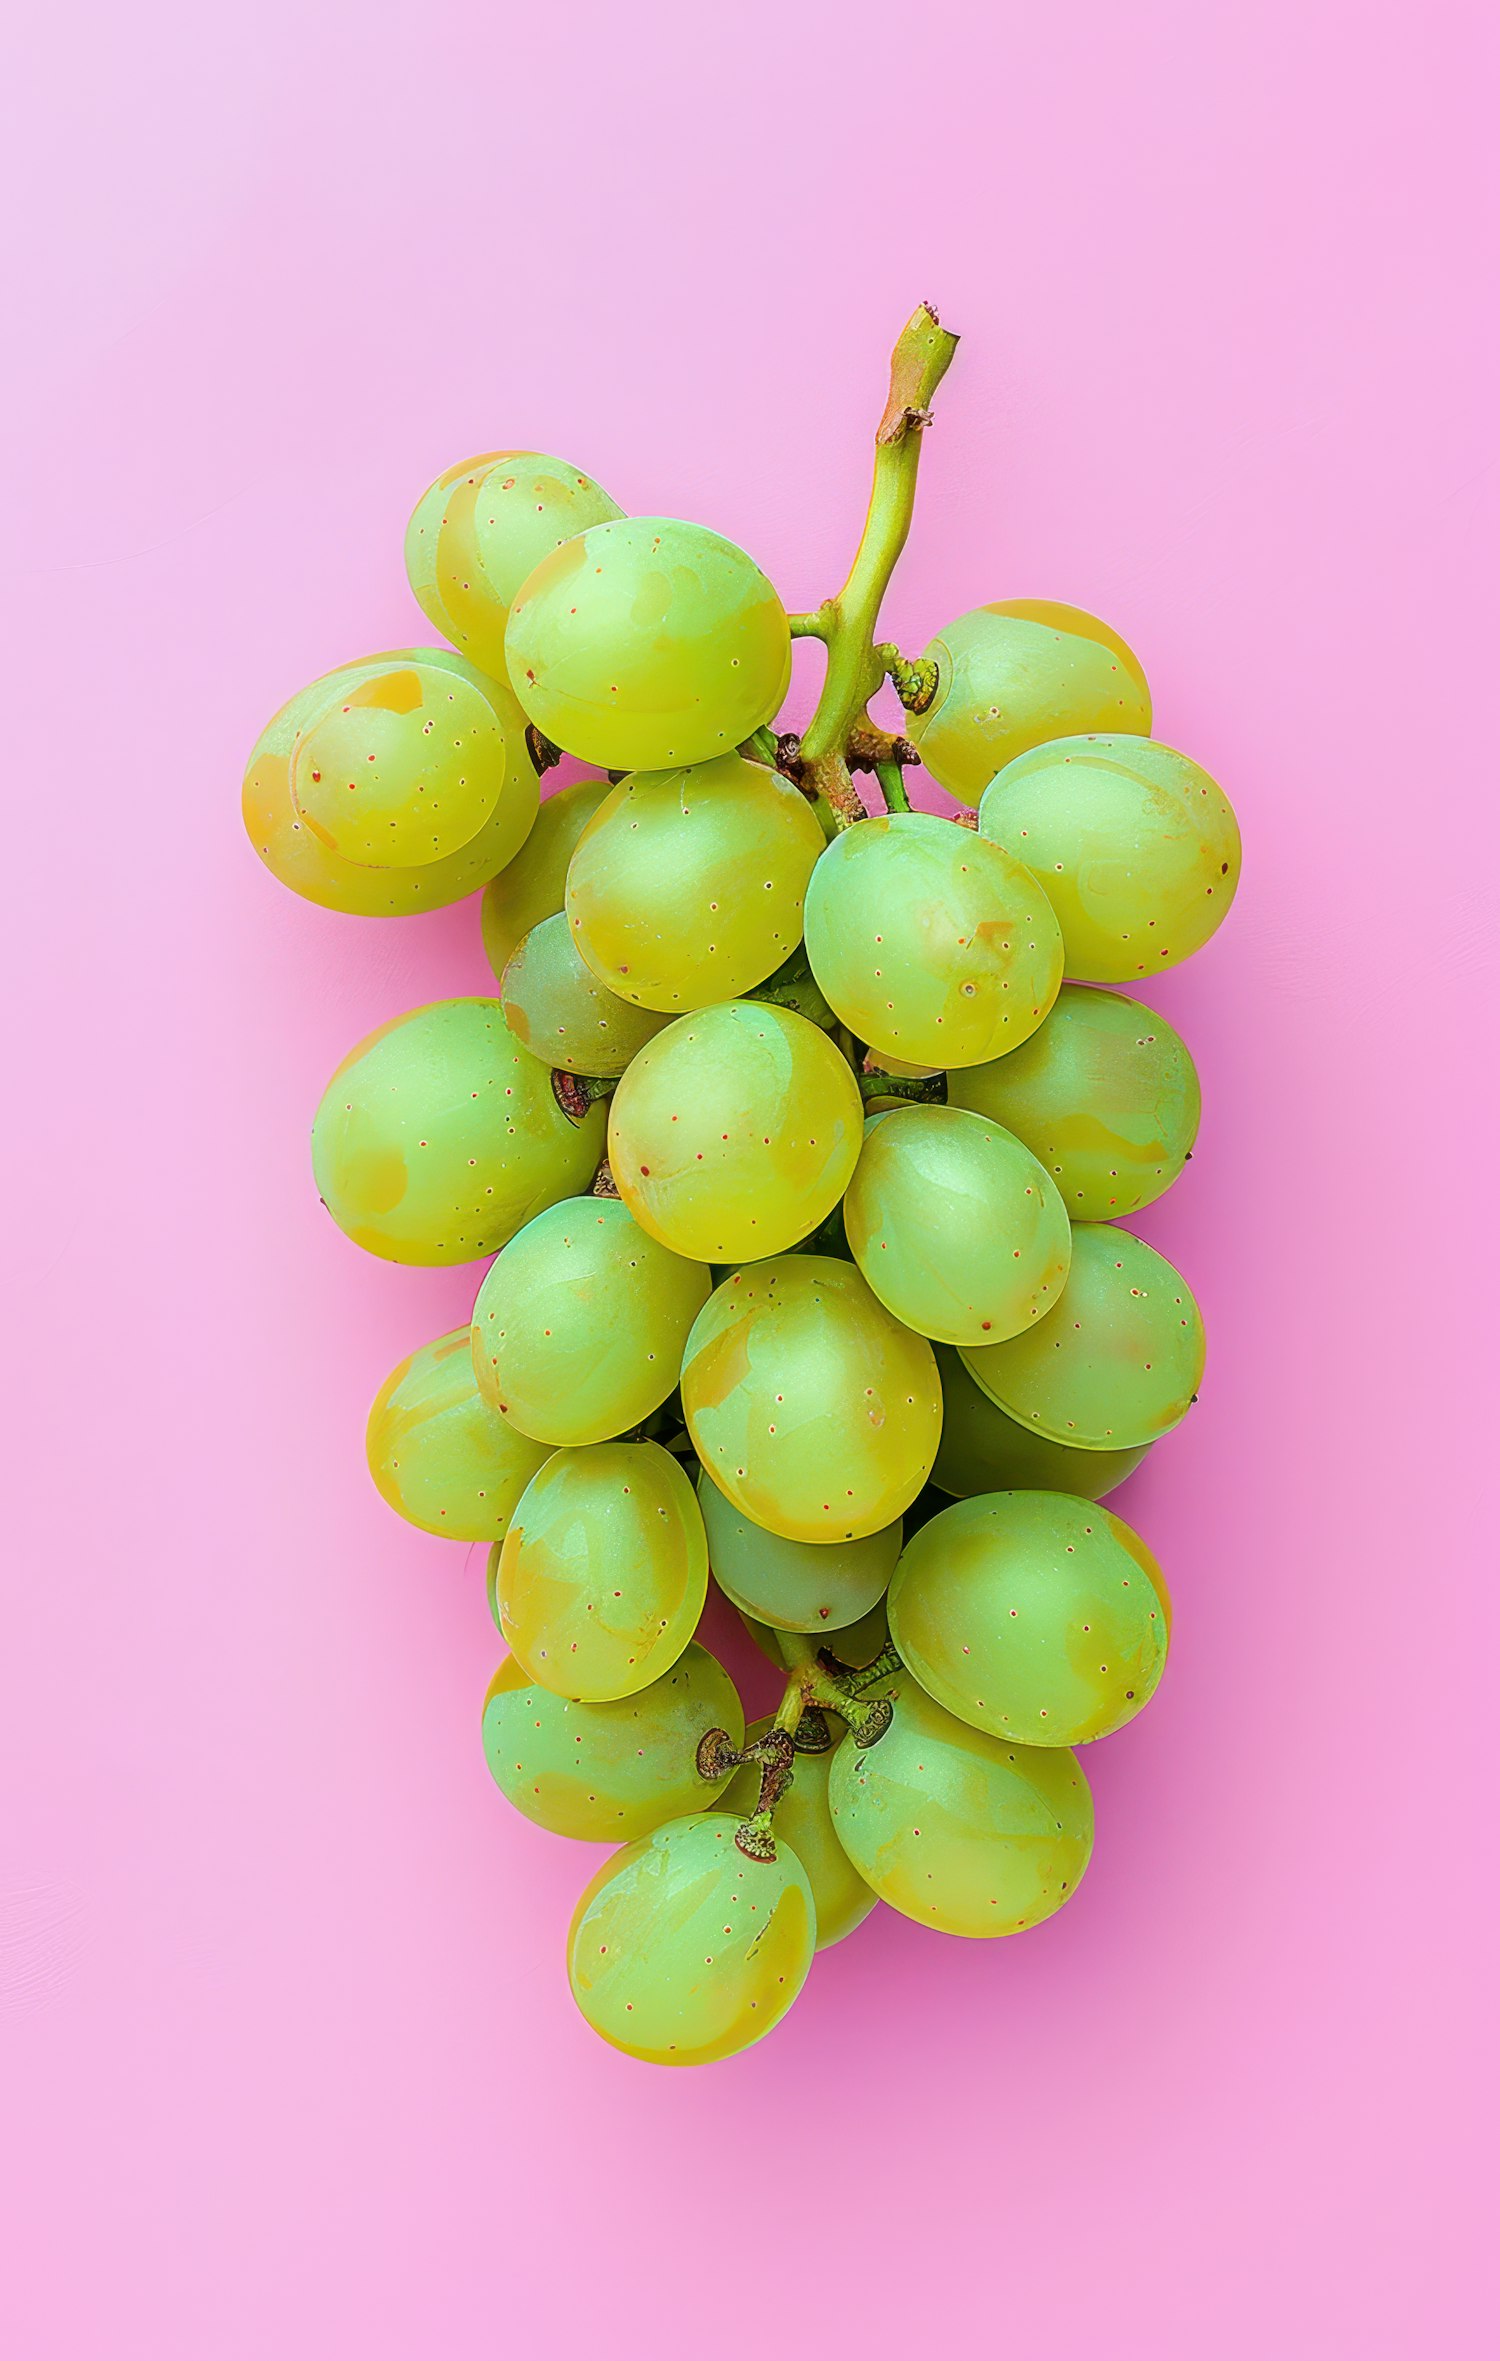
802 1169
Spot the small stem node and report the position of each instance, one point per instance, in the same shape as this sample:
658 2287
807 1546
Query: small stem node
576 1093
542 751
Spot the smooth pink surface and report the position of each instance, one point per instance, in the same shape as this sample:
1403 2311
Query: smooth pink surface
292 2067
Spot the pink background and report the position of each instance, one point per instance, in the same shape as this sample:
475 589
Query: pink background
291 2064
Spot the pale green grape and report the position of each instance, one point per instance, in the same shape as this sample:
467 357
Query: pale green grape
985 1450
440 1456
972 1834
735 1131
559 1008
1032 1615
682 1950
609 1772
646 643
1116 1363
927 947
794 1585
533 886
580 1323
1104 1094
856 1643
955 1225
403 765
295 856
841 1899
479 530
687 885
604 1570
813 1410
1135 847
439 1136
1014 674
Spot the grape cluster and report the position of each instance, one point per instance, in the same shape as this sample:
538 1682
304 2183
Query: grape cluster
802 1170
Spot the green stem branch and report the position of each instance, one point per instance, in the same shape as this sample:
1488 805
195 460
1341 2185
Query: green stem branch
847 623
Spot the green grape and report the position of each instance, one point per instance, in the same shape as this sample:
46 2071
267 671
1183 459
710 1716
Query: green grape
646 643
1104 1094
604 1570
683 1951
1011 676
439 1136
403 764
1136 848
855 1643
559 1008
609 1772
972 1834
820 1586
294 855
580 1323
687 885
735 1131
809 1406
532 886
440 1456
1032 1615
926 947
985 1450
841 1899
1118 1362
955 1225
479 530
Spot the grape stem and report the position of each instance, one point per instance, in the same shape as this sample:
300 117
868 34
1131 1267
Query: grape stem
542 751
576 1093
846 624
817 1684
926 1089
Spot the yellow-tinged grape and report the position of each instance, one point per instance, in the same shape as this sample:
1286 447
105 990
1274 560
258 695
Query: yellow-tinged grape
813 1410
734 1132
439 1136
927 948
794 1585
646 643
972 1834
558 1007
580 1323
1014 674
609 1772
955 1225
1137 849
604 1570
687 884
1116 1363
985 1450
533 886
1032 1615
1104 1094
682 1950
856 1643
841 1899
294 855
402 766
477 532
440 1456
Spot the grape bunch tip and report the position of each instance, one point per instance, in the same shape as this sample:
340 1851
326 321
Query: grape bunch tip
797 1137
